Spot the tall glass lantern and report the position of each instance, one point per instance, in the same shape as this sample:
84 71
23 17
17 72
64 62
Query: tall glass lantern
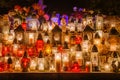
79 55
88 31
85 44
113 37
56 35
99 22
95 58
40 62
19 33
65 57
39 43
89 21
114 60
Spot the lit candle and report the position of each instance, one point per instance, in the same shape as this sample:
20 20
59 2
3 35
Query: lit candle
107 67
65 60
58 62
41 64
87 67
31 38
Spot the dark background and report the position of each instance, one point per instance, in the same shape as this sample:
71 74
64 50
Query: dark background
111 7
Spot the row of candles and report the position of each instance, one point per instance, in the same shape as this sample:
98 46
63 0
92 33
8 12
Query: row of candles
60 49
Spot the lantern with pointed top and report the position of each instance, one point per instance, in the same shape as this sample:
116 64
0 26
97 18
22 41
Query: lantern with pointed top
88 31
79 55
85 44
47 48
10 63
113 59
39 43
41 61
113 38
56 35
94 58
25 62
19 33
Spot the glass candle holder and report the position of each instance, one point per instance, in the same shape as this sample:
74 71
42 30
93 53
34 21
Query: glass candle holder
41 64
58 62
65 61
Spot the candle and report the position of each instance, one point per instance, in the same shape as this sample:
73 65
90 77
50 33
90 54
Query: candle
87 67
31 38
107 67
58 62
65 60
41 64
